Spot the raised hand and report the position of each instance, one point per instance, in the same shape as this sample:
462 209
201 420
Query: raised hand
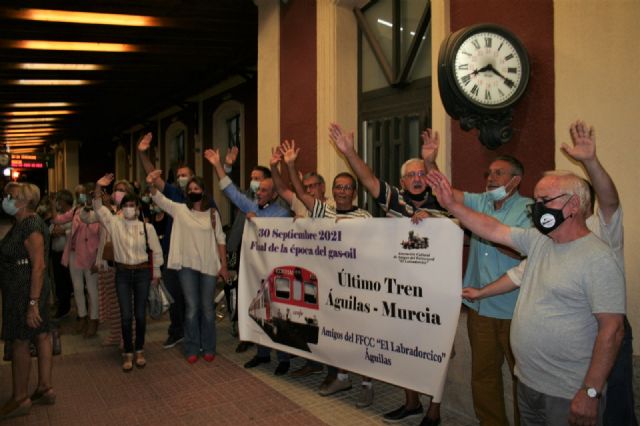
276 156
342 141
289 151
105 180
152 176
213 156
430 145
441 187
232 156
145 142
584 142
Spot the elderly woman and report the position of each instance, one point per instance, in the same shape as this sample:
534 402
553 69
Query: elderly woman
23 258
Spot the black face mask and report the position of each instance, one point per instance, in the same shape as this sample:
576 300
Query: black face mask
194 197
415 197
547 219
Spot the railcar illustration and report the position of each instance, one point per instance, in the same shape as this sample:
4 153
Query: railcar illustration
286 307
415 242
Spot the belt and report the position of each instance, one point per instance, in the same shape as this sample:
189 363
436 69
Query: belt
143 265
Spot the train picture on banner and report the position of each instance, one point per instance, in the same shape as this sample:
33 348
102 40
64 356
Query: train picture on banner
286 307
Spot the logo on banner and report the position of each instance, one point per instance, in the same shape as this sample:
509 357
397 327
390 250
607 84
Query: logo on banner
416 247
286 307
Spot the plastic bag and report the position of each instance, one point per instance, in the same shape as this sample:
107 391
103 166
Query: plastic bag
159 300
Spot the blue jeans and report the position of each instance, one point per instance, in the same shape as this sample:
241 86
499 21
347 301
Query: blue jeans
199 318
619 410
132 287
176 310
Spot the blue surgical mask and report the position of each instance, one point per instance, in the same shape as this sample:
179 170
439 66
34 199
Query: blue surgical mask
183 181
146 199
82 198
254 185
9 206
499 193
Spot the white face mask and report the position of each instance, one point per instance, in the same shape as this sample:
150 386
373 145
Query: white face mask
129 212
254 185
499 193
182 181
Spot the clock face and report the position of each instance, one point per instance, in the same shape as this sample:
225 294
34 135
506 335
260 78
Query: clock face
488 69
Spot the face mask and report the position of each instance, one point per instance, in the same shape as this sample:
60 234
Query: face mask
546 219
254 185
155 209
9 206
146 199
129 212
182 181
194 197
117 197
499 193
82 198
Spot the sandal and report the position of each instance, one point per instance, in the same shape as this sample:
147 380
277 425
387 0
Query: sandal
45 397
13 408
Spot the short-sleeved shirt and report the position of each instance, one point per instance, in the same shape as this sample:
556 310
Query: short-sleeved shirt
330 211
396 203
486 262
554 328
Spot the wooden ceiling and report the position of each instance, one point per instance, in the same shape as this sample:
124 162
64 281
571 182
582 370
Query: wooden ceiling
196 44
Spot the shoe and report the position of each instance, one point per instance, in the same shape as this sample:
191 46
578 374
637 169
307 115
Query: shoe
335 386
127 362
401 414
209 357
172 341
256 361
81 326
282 368
45 397
13 408
427 421
306 370
327 381
366 397
92 329
139 359
61 314
243 346
192 359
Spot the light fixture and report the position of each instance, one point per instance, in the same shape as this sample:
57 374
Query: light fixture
14 131
40 113
26 142
88 18
40 104
59 67
30 134
27 126
50 82
73 45
29 119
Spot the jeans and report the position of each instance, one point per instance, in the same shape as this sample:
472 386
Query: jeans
265 352
199 318
619 410
133 284
176 310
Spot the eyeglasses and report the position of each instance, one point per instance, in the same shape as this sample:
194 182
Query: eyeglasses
497 173
311 185
412 175
545 201
343 187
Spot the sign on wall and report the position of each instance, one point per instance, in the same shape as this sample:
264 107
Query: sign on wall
379 297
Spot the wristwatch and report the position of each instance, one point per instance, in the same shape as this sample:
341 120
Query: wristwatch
592 392
33 302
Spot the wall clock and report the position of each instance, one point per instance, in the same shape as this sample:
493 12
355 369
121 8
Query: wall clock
483 70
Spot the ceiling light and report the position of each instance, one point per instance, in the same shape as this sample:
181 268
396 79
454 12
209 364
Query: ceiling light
28 134
29 119
38 130
73 45
60 67
27 126
43 112
87 17
25 142
50 82
40 104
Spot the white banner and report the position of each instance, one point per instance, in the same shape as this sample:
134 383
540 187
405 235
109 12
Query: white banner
379 297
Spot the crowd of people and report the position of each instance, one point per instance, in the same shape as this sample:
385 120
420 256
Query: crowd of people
544 284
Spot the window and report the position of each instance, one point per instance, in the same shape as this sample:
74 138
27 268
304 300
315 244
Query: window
311 293
282 288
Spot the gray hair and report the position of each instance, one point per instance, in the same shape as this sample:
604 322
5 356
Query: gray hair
409 161
574 185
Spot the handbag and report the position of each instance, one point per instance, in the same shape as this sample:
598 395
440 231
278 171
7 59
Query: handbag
159 300
107 252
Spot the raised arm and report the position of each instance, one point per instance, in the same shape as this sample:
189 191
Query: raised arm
103 213
290 153
284 192
430 145
344 144
584 151
213 157
143 154
482 225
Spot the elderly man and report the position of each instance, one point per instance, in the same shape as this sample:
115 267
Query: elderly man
263 206
568 323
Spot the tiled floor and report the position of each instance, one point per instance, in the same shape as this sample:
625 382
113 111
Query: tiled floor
92 390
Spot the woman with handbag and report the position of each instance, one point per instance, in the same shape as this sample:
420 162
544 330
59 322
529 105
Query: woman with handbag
138 257
198 254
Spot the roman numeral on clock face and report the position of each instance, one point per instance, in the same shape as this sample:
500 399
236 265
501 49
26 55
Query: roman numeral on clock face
475 90
487 42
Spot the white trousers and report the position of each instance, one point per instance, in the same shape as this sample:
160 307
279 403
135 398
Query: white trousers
80 278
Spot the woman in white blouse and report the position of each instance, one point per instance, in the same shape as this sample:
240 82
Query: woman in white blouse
136 268
198 253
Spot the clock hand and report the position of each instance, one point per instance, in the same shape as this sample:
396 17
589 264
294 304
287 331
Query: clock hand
507 81
483 69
